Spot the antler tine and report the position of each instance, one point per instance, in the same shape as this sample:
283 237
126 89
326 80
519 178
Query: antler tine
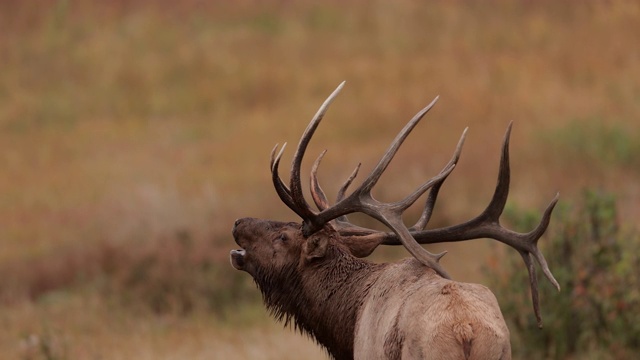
341 192
295 183
428 208
501 193
345 186
316 191
318 194
537 233
283 191
373 178
433 194
409 200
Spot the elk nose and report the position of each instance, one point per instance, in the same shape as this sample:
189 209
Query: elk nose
235 226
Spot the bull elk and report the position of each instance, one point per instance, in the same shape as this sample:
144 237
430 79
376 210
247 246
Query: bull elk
311 273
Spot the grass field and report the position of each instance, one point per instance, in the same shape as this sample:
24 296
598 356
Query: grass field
133 133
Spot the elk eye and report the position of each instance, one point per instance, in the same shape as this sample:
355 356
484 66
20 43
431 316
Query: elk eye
283 237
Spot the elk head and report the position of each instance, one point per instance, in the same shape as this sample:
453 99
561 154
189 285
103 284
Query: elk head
274 246
272 251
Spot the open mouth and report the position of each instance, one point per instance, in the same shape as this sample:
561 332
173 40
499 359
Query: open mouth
237 258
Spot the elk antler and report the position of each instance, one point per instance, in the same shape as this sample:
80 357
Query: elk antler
485 225
359 200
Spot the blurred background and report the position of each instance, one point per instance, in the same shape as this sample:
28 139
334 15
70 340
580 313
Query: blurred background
133 134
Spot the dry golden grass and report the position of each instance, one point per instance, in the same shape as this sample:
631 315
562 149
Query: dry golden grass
124 124
84 327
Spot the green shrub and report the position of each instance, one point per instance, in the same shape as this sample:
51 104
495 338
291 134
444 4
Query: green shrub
597 263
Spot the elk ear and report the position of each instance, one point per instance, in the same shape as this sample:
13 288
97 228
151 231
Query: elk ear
316 245
362 246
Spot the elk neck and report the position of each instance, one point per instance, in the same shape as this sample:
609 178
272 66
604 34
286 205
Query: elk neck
323 299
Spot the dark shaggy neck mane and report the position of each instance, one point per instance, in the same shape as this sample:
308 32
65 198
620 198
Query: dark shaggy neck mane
322 299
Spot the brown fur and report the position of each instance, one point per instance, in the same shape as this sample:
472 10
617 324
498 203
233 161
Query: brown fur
357 309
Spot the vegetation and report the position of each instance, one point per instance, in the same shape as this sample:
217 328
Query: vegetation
597 263
133 134
593 140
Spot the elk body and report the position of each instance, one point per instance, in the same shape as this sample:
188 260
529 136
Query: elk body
312 275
